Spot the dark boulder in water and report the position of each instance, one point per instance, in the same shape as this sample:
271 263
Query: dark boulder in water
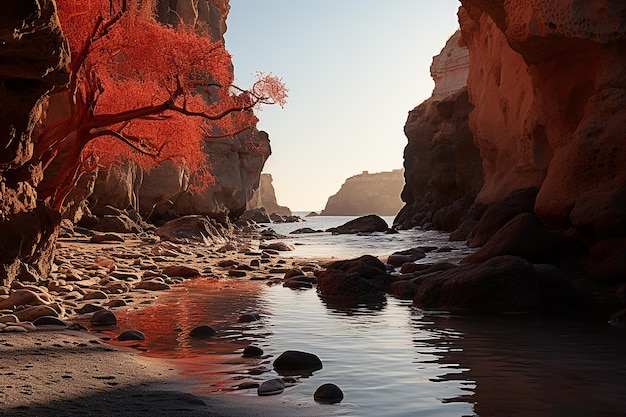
328 394
293 362
131 335
363 276
366 224
202 332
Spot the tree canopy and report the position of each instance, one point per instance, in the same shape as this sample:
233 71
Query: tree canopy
143 90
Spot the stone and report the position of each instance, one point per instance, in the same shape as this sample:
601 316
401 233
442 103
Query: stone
103 318
134 335
95 295
202 332
304 230
501 284
152 285
292 362
248 317
277 246
257 215
22 297
368 193
237 273
396 259
49 321
365 224
252 352
328 394
89 308
194 228
363 276
119 223
180 271
106 237
33 313
271 387
501 212
403 289
526 237
295 283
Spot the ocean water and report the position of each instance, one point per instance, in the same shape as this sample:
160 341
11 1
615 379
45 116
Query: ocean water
389 358
327 245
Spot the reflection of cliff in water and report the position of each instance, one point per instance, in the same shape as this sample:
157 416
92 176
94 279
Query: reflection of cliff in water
217 303
528 366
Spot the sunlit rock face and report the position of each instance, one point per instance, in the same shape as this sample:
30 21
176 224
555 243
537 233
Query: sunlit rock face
548 83
442 165
265 196
33 59
235 162
367 193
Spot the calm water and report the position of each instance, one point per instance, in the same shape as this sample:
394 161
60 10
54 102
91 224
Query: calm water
327 245
390 359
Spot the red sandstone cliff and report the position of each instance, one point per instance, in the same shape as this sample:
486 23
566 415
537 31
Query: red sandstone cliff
33 59
548 83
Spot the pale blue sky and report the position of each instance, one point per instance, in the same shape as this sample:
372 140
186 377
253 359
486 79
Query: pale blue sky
354 68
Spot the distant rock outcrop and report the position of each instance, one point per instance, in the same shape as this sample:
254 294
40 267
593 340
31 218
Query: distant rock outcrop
265 196
366 193
443 168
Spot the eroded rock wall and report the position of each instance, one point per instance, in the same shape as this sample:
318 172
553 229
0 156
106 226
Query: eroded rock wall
548 82
33 60
442 165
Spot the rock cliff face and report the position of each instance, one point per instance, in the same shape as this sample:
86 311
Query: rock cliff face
377 193
265 197
442 165
33 59
548 82
163 192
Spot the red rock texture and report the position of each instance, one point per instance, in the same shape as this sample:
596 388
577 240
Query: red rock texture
33 59
548 83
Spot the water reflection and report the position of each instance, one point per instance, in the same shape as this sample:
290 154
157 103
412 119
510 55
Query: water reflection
528 366
355 306
389 358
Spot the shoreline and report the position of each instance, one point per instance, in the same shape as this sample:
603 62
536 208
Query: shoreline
57 372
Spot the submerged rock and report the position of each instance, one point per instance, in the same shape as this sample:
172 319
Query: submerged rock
131 335
328 394
202 332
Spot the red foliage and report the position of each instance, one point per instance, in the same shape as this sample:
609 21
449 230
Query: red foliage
144 91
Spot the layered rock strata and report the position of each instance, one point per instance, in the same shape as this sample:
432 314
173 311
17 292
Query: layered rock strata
33 60
365 193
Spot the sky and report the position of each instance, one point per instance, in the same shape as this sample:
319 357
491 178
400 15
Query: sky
354 69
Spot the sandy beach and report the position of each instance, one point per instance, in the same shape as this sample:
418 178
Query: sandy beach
51 371
73 373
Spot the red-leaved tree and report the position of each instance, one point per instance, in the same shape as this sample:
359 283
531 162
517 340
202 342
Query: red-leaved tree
141 90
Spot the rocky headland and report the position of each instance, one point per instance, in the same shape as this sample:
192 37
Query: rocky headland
520 149
265 197
367 193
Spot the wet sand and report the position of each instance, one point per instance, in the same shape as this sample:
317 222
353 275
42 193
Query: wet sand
58 372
